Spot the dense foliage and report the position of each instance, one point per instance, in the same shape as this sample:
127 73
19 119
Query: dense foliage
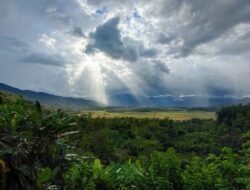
48 149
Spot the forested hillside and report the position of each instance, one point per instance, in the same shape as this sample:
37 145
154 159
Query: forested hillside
51 100
53 149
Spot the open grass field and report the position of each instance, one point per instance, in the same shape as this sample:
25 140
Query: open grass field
175 115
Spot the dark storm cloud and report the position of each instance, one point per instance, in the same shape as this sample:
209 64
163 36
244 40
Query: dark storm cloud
212 19
39 58
204 20
148 52
107 38
77 31
161 66
12 45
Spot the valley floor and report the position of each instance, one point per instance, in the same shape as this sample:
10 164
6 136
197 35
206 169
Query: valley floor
174 115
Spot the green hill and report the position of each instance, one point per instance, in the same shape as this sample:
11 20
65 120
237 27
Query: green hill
51 100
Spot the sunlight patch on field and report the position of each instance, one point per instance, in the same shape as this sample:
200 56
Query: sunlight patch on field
175 115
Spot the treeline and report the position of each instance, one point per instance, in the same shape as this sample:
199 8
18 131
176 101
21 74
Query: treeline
46 149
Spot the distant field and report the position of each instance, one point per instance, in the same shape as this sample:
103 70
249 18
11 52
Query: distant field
175 115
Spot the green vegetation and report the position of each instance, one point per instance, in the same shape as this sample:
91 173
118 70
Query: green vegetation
174 115
47 149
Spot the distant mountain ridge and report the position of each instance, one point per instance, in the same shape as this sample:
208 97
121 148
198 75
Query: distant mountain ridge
128 100
51 100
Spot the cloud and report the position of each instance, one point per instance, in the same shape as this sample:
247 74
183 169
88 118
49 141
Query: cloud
153 74
12 45
107 38
196 22
151 52
163 39
77 31
39 58
101 11
211 40
47 41
212 19
113 3
161 66
234 42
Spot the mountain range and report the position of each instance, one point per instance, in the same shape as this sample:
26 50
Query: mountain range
128 100
51 100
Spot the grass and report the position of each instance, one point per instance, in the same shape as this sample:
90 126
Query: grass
175 115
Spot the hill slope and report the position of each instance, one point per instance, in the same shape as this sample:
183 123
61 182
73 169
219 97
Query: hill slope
51 100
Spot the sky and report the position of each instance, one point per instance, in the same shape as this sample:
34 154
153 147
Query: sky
100 48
